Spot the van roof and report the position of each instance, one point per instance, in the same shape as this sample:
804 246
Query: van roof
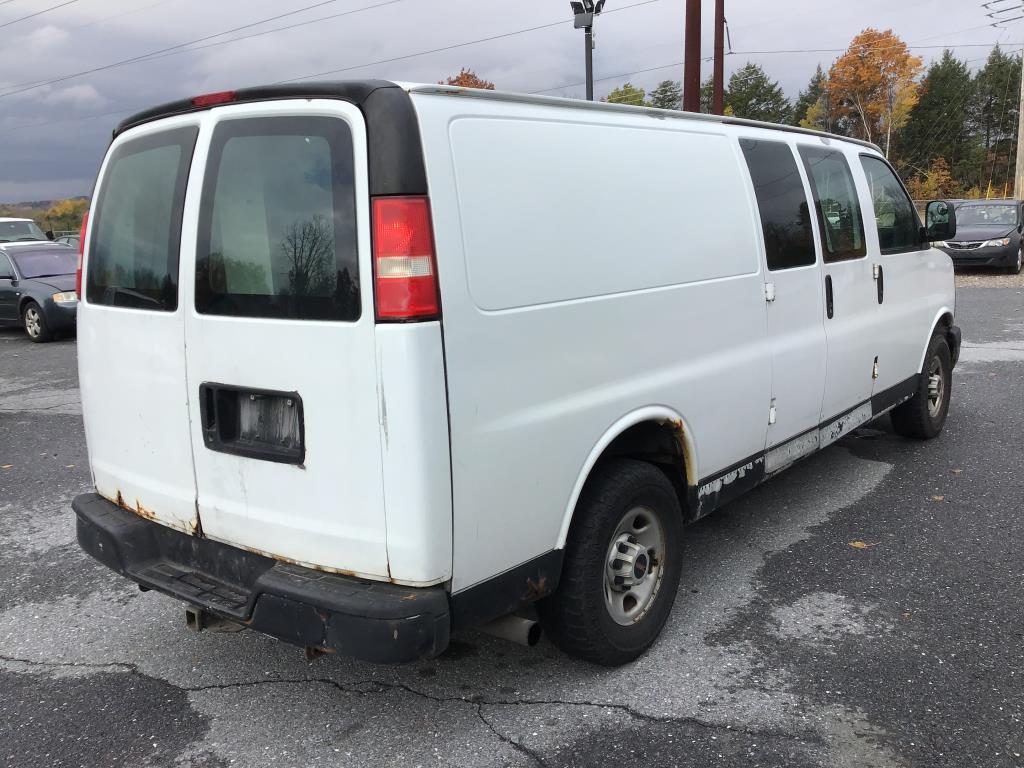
357 91
6 218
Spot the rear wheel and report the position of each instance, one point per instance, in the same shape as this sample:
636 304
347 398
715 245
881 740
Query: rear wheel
35 323
622 565
924 415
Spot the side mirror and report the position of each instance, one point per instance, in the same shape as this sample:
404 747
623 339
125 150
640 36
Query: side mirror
49 234
940 221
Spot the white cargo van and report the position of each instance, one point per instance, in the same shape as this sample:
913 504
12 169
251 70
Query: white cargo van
365 363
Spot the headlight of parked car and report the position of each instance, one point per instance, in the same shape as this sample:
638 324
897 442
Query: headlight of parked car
995 243
68 297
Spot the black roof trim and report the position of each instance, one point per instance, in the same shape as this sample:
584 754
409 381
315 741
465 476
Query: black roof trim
393 136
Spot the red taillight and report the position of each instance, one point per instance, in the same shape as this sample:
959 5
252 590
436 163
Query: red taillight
403 259
209 99
81 254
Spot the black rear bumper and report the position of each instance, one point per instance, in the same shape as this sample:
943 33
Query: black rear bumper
368 620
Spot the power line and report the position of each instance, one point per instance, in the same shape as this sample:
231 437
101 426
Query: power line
356 66
317 20
22 87
454 45
37 13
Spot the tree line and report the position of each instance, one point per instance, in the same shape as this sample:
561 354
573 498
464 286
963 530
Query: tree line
948 131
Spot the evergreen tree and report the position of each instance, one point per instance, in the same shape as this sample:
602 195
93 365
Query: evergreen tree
938 126
753 95
707 95
811 107
667 95
996 97
993 119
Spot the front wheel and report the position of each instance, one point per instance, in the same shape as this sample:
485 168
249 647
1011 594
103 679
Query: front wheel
924 415
621 568
35 323
1018 261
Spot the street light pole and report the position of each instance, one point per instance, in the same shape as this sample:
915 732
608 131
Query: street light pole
1018 176
583 18
588 56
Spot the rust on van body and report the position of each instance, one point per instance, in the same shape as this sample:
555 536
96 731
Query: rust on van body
679 433
195 529
536 589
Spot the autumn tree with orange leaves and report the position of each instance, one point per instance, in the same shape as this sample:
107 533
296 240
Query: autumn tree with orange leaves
467 78
874 85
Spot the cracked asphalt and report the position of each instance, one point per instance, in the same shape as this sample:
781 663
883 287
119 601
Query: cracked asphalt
865 608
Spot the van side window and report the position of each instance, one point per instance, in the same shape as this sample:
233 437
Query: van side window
277 223
136 227
835 198
895 217
781 202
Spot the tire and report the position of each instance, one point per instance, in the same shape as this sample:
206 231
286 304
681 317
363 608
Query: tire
924 415
590 616
34 322
1015 267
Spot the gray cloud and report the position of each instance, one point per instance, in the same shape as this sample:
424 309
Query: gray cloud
52 138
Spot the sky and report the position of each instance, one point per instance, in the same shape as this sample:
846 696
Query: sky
56 115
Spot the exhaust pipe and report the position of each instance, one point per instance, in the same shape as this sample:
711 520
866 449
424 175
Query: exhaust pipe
515 628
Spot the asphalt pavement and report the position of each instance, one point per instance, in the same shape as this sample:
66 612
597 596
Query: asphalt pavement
865 608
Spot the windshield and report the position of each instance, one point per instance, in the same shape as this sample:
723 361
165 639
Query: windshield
987 215
46 262
12 231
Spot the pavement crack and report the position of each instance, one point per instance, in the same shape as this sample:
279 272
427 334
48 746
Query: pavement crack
373 687
98 666
39 407
517 746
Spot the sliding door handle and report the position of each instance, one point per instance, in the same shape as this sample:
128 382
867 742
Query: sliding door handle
829 309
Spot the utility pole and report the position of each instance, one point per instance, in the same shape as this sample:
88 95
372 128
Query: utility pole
718 78
691 58
1018 176
583 18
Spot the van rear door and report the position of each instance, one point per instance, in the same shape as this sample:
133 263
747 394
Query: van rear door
280 336
131 337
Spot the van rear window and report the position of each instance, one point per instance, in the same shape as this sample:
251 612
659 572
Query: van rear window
136 227
277 227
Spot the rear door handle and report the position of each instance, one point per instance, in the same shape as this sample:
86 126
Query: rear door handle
828 296
879 281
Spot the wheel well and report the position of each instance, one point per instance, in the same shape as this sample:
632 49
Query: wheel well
21 305
662 443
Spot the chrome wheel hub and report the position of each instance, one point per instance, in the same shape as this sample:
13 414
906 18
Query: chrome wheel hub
936 387
32 324
633 567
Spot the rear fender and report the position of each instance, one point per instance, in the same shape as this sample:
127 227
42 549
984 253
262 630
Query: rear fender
653 413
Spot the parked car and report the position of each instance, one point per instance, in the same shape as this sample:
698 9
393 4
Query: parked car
37 288
18 230
988 235
364 363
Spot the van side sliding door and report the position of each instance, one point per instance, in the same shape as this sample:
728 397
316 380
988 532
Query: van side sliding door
796 330
851 304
